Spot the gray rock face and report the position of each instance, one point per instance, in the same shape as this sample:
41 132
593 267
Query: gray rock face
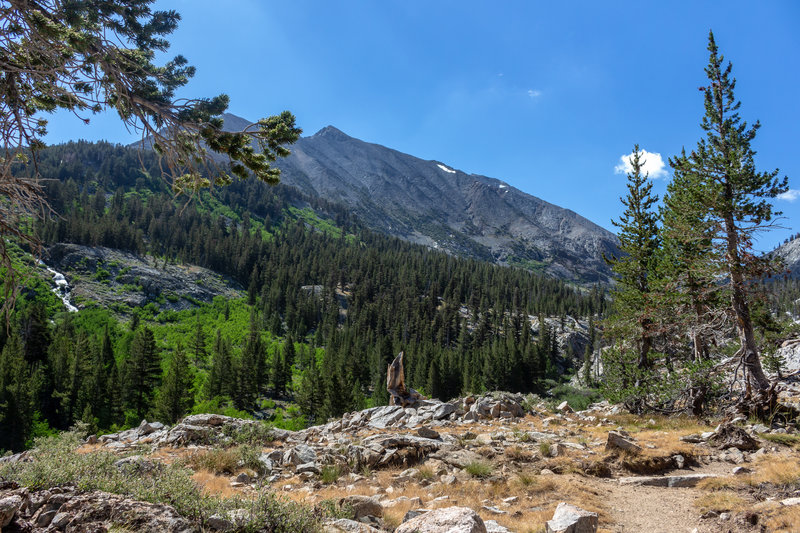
448 519
429 203
91 511
133 280
571 519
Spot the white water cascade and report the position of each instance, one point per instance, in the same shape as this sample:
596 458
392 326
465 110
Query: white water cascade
62 289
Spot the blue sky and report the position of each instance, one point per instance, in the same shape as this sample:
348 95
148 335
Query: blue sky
546 96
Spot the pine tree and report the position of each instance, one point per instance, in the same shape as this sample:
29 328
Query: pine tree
735 197
631 323
17 396
198 346
142 372
221 381
175 395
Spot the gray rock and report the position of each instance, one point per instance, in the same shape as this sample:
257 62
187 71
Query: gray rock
427 433
8 508
265 464
220 523
300 454
443 411
134 462
43 519
730 436
343 525
617 441
243 478
571 519
688 480
448 519
386 416
307 467
61 520
493 527
362 506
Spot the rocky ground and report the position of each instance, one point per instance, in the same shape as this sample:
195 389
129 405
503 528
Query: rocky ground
493 463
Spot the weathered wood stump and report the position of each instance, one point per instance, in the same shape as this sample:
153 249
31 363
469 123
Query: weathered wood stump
396 385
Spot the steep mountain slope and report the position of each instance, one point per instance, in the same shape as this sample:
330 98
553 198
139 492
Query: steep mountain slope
790 255
465 214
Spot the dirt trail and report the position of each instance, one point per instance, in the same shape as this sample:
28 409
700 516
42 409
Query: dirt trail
639 509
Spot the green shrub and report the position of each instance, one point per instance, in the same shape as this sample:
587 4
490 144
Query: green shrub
56 463
479 469
578 399
330 474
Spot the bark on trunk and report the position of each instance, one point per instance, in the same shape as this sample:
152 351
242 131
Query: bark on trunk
744 325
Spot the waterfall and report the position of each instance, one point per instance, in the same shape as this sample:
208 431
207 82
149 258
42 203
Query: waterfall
62 288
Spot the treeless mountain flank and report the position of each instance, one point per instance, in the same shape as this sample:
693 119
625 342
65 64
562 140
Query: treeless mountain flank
430 203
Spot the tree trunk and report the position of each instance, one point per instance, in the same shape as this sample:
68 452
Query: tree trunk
744 325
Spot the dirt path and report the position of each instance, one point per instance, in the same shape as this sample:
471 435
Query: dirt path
638 509
652 509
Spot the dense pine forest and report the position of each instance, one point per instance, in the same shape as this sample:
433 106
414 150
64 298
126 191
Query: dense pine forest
327 305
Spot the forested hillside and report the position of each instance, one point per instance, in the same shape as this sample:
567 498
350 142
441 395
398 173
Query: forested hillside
328 304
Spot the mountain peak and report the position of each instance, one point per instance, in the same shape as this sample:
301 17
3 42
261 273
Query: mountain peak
331 132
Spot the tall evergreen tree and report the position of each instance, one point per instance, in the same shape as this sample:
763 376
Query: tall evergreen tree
631 323
142 372
175 394
736 196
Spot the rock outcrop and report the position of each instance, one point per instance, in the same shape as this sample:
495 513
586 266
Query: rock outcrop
67 509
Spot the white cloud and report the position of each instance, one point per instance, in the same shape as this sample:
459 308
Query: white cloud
533 93
790 196
652 164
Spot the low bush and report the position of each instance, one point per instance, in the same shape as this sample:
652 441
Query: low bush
479 469
55 462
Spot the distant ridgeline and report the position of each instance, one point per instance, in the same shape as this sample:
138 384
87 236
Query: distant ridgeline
328 305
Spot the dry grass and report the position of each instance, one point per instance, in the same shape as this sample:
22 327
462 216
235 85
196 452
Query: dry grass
784 471
722 500
215 485
515 453
783 519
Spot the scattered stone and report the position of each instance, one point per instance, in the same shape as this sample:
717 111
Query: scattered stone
427 433
60 520
493 527
243 478
220 523
343 525
730 436
616 440
362 506
571 519
564 407
8 508
449 519
688 480
790 501
494 510
741 470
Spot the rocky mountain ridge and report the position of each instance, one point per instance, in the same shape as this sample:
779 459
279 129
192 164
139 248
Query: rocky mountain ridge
430 203
445 208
